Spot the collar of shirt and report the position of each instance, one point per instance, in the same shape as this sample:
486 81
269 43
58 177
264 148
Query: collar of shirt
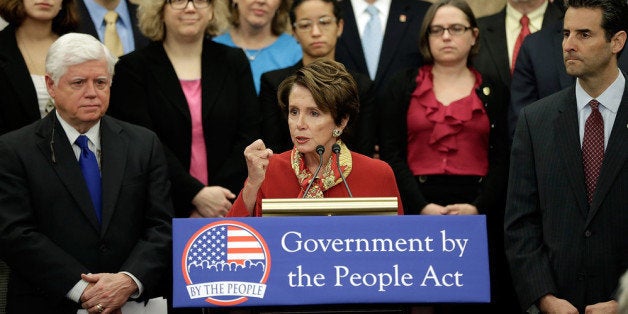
93 134
513 24
513 17
609 100
362 17
97 14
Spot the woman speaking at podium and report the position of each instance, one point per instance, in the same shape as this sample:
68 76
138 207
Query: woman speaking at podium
320 100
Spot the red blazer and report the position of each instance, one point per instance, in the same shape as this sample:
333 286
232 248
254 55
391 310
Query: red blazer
368 178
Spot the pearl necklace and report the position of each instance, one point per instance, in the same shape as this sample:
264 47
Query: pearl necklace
249 53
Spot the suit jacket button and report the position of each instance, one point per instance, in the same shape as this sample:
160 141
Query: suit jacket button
587 233
422 179
102 248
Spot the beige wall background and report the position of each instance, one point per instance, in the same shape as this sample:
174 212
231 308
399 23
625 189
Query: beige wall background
484 7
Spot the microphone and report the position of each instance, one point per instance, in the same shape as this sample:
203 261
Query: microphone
336 149
320 149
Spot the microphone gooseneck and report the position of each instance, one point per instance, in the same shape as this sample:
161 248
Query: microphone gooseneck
336 149
320 150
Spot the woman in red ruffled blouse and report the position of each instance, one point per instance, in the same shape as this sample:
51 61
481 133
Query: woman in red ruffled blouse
443 131
320 100
443 125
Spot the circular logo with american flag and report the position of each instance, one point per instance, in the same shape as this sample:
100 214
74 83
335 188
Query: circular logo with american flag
226 262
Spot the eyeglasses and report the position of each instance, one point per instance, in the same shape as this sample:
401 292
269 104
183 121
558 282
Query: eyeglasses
305 26
454 30
182 4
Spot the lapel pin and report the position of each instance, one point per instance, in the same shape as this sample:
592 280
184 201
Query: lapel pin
486 91
402 18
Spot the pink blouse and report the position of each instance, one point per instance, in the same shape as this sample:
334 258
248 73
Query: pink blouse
198 160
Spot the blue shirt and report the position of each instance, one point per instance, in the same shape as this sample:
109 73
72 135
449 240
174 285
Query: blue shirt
284 52
123 24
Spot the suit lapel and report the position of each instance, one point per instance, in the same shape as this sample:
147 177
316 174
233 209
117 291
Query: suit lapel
212 80
114 148
395 31
568 142
351 36
615 155
66 165
86 25
498 49
166 78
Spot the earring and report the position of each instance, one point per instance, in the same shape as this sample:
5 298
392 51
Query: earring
336 133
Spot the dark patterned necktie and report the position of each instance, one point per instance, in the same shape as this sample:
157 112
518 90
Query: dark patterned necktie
593 148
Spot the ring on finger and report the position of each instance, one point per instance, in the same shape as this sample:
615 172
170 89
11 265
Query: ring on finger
99 307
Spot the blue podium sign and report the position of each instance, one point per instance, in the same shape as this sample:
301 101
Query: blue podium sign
255 261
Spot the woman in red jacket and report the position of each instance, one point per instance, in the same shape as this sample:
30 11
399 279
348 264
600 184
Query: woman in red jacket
320 99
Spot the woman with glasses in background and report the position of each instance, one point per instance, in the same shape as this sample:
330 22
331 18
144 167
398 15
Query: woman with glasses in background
197 95
316 24
259 28
444 130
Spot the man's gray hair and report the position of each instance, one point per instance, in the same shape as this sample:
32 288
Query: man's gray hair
75 48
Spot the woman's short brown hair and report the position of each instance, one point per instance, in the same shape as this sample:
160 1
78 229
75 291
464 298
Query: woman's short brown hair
334 90
424 42
279 24
150 15
66 21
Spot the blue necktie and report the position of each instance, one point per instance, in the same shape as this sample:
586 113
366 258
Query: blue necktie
91 173
372 40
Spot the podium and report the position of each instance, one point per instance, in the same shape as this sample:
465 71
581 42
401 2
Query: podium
330 207
328 256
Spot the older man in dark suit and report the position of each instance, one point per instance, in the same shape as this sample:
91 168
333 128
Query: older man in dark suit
567 209
85 219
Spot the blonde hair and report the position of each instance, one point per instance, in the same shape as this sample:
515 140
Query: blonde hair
150 15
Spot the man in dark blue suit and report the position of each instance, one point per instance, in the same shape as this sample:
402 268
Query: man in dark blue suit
540 70
71 244
567 210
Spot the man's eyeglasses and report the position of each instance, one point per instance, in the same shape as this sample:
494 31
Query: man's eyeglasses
454 30
305 26
182 4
